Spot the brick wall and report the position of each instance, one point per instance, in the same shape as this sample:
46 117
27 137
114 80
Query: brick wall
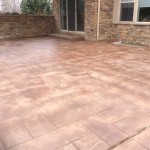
128 33
91 7
132 34
106 19
56 13
15 26
91 19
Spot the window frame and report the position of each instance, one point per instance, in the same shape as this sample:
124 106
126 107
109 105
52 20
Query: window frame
129 1
117 16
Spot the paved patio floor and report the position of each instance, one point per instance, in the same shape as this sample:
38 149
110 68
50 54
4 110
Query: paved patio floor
63 95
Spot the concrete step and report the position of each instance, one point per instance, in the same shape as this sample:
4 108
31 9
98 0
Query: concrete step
67 37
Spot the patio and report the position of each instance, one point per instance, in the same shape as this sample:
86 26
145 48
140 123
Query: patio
81 95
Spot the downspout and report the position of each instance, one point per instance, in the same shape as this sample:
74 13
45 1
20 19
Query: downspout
98 19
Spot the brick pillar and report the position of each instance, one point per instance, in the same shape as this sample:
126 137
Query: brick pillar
56 13
106 20
91 12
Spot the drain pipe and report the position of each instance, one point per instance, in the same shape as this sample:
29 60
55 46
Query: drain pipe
98 19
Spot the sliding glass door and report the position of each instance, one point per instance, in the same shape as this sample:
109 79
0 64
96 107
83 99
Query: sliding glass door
72 15
64 18
80 15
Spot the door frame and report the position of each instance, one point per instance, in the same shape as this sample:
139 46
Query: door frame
76 25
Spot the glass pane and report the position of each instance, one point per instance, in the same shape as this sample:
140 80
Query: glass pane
127 10
144 3
80 15
144 10
126 1
63 15
71 15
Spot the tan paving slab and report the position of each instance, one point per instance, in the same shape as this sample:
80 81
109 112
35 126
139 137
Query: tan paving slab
36 92
15 104
119 112
7 88
107 97
135 123
16 136
91 142
25 81
104 130
130 145
50 108
144 138
55 139
2 147
77 113
37 124
68 81
10 123
75 99
68 147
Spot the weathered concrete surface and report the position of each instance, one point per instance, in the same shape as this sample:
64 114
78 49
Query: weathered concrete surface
57 94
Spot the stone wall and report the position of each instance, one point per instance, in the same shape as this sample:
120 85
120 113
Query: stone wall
129 33
56 13
132 34
91 13
106 19
16 26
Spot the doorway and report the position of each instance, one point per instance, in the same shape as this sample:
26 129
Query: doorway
72 15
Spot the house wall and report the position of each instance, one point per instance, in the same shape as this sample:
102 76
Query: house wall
16 26
56 13
132 34
91 17
106 19
91 7
128 33
91 13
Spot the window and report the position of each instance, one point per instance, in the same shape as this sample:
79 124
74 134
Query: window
131 11
144 11
127 9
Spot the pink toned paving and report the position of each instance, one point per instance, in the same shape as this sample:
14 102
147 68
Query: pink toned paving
61 95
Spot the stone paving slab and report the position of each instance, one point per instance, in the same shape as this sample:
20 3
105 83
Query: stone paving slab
57 138
103 129
130 145
143 138
119 112
78 95
134 123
